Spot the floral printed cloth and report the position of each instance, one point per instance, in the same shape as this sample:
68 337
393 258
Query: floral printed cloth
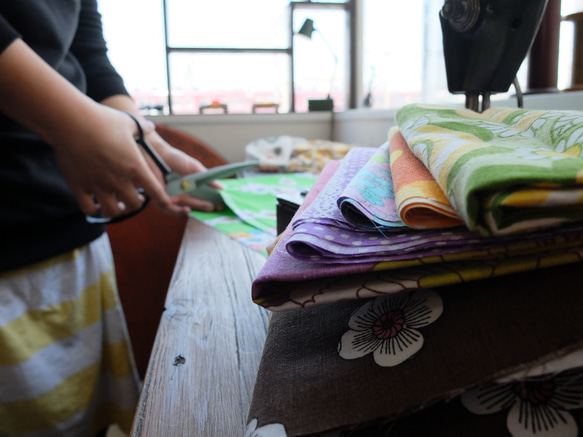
504 170
510 346
396 336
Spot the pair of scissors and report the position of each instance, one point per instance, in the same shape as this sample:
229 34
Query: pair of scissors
194 184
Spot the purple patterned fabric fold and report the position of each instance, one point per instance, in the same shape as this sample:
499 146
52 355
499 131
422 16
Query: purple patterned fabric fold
333 245
325 210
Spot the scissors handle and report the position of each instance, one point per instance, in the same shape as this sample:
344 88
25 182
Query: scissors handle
150 150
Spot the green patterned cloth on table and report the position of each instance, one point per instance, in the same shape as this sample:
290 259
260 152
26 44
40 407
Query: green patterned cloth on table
250 216
505 170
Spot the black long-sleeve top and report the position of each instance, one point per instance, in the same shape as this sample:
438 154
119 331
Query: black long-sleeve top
39 215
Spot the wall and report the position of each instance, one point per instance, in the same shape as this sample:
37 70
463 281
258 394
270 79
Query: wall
230 133
370 127
364 127
561 100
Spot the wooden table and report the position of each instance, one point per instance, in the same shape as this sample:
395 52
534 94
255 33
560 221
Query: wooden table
202 370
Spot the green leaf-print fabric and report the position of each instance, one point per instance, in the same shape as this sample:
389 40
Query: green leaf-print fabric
250 213
505 170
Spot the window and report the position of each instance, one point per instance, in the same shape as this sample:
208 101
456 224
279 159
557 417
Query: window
134 31
409 63
241 52
233 52
321 59
393 44
566 42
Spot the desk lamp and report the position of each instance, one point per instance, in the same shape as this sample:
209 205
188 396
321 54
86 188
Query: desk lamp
326 104
485 42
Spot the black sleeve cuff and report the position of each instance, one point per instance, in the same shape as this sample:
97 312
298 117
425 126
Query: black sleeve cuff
7 34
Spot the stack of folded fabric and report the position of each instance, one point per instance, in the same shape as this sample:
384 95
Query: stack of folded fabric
432 284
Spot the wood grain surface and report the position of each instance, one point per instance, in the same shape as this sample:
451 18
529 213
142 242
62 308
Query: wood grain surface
203 365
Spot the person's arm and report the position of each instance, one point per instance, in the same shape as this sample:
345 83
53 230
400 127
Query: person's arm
94 143
105 85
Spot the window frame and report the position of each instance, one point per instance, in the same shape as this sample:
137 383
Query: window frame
349 7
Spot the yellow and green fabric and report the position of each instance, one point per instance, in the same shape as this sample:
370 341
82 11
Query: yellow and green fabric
250 213
505 170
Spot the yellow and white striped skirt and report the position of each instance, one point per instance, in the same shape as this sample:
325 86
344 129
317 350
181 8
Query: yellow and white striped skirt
66 366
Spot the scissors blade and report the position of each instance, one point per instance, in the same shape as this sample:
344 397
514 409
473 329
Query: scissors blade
194 182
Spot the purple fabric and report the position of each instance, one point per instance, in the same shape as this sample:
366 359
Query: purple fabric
334 245
325 210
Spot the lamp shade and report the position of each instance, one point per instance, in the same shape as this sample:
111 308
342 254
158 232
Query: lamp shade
307 28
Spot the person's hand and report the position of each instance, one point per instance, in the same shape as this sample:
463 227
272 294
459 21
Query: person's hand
181 163
104 165
94 142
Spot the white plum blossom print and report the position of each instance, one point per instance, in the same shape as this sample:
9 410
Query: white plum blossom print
271 430
538 406
388 326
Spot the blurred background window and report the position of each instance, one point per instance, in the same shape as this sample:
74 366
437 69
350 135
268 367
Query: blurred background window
177 56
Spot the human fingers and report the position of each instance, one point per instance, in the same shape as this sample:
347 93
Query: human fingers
86 202
129 198
131 201
155 189
182 163
108 204
120 199
197 204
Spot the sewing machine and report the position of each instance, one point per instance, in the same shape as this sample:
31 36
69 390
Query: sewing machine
485 42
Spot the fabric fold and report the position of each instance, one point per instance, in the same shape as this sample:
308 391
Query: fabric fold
420 201
505 170
394 189
325 211
368 200
290 282
321 234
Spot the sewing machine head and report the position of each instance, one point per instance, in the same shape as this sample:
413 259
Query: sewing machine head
485 42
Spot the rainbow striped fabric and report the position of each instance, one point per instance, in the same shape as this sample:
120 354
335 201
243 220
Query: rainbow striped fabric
66 367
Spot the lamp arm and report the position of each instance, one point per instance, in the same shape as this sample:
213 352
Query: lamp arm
333 75
335 60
